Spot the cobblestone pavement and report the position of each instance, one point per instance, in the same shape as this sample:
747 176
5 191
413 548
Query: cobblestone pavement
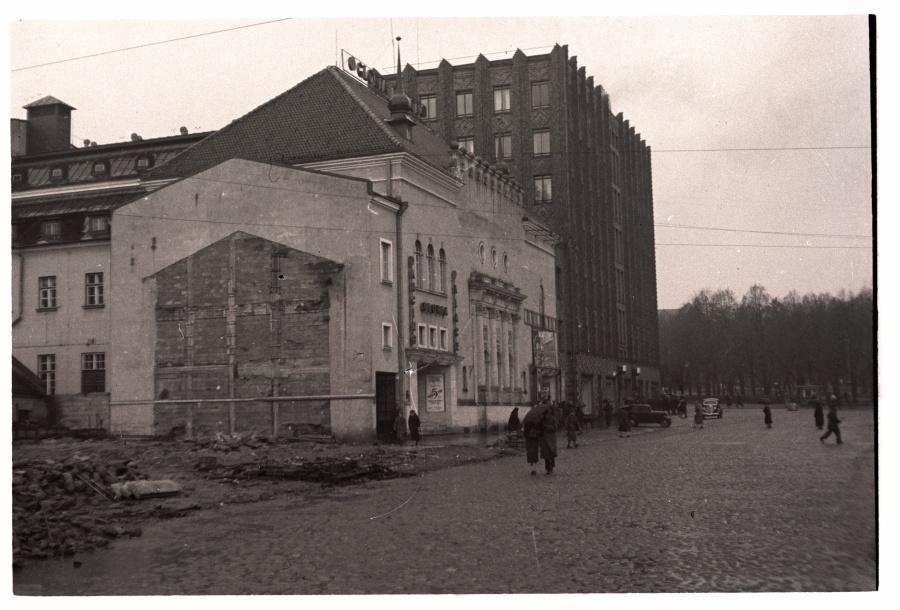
732 507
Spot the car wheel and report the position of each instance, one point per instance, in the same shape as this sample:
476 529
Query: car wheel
665 423
633 423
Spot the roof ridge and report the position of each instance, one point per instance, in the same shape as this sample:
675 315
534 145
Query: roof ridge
338 76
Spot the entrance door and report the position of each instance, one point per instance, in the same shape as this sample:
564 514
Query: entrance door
385 404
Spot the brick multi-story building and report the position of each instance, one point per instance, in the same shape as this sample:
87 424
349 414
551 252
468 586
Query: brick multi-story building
318 264
586 173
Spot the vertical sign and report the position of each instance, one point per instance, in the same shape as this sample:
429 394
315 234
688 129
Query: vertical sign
434 393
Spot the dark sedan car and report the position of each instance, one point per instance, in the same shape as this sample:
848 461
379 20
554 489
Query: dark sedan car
644 414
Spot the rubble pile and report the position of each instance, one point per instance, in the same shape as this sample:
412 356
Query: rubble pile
234 442
54 505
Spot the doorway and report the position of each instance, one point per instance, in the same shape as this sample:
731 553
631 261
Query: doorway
385 404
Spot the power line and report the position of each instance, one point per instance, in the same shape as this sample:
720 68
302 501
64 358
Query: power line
846 235
768 246
149 44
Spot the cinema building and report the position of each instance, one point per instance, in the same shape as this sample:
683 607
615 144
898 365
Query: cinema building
316 266
586 173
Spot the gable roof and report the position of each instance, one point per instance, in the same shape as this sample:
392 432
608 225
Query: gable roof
24 381
48 101
328 116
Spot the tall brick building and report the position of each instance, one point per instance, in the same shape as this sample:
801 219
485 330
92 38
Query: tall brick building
586 173
318 264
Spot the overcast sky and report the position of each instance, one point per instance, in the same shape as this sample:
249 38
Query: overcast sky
796 216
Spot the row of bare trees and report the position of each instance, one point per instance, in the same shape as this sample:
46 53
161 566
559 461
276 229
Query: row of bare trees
764 346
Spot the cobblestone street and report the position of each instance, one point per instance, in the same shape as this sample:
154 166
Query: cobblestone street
734 507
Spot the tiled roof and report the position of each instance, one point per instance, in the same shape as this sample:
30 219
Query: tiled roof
327 116
47 101
72 204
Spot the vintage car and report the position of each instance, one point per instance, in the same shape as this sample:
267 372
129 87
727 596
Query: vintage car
644 414
712 408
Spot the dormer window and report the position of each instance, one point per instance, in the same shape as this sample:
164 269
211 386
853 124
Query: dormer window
143 162
51 229
20 179
98 224
99 168
57 174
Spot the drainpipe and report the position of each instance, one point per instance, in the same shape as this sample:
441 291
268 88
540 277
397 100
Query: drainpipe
401 345
18 318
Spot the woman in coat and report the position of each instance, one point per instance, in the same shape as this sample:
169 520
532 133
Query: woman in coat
698 417
548 440
414 425
768 413
533 430
624 423
819 415
399 427
514 424
572 427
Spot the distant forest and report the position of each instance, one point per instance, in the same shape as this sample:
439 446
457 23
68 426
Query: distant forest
764 346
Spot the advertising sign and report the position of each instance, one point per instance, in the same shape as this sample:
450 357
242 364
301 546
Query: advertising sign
545 349
434 393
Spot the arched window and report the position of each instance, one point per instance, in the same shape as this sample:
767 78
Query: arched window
442 259
430 259
419 276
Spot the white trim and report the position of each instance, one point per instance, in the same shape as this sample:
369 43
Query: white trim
389 335
390 259
422 335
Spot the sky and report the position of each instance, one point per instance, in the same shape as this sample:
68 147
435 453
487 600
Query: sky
794 213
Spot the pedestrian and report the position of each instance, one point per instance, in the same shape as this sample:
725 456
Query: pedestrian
624 423
513 425
682 408
819 414
607 413
833 422
740 402
414 425
399 427
548 440
533 429
572 428
768 415
698 417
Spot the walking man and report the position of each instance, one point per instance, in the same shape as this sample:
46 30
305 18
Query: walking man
768 415
548 440
818 415
833 422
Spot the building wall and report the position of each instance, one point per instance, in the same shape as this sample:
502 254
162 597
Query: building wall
584 179
71 329
326 216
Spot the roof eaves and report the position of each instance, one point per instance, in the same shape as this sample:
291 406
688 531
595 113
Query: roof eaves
338 75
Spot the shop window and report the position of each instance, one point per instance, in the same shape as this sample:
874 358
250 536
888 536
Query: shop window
93 373
47 372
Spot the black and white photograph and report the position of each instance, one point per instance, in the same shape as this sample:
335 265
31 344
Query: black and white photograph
338 303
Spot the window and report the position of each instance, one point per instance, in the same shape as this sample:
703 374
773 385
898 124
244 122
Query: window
93 373
18 178
99 167
481 252
503 146
432 337
47 292
143 162
429 257
444 339
464 105
494 257
543 192
423 335
57 173
501 99
47 372
442 259
467 143
98 224
619 245
541 142
429 107
387 336
52 229
387 261
540 94
506 261
419 276
93 290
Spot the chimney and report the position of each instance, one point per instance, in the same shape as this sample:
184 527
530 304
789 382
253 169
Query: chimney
49 126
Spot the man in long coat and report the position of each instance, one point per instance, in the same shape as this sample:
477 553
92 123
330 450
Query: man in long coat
533 430
548 440
833 428
819 414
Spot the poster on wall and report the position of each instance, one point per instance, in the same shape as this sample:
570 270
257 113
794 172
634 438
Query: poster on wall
434 393
545 349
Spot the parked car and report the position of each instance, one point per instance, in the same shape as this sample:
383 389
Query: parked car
644 414
712 408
